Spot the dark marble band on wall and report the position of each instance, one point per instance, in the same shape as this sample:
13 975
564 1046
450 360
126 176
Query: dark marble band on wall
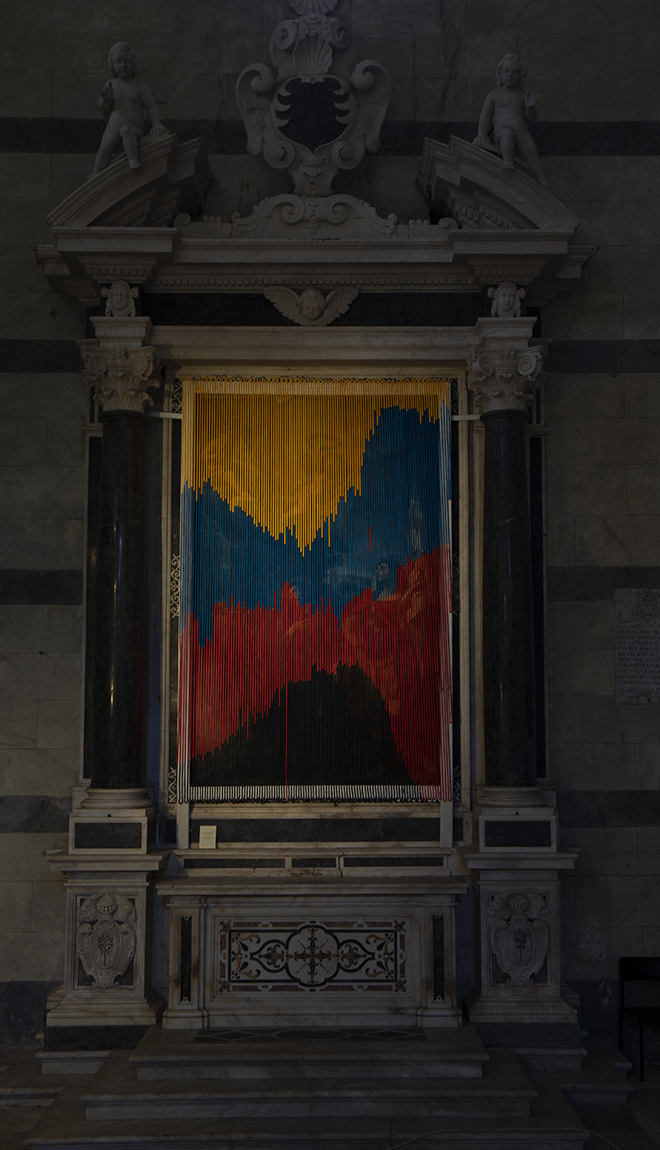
577 356
609 808
22 1006
19 586
593 584
399 137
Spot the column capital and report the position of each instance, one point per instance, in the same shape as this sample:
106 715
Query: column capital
504 378
119 364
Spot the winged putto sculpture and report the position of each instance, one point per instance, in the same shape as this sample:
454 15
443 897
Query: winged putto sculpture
311 308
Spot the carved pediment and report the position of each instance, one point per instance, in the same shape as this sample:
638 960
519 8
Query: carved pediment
471 184
172 178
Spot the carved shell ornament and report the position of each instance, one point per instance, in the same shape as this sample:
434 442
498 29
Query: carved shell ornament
311 308
313 7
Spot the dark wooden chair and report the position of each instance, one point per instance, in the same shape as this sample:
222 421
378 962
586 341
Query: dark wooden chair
639 996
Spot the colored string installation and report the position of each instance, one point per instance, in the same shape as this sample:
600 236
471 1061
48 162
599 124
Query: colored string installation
315 591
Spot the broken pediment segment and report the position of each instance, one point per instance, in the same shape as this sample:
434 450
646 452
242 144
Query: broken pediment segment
470 183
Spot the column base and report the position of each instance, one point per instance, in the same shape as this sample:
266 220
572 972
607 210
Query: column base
110 820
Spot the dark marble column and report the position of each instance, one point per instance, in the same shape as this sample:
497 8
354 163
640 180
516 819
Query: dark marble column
120 377
117 758
502 385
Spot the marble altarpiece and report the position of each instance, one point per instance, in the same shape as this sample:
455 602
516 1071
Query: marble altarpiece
312 911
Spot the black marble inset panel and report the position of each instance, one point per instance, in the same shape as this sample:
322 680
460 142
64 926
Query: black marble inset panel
108 836
233 864
399 309
395 861
40 814
185 977
458 830
39 355
399 137
438 956
326 830
36 588
509 833
575 584
314 862
609 808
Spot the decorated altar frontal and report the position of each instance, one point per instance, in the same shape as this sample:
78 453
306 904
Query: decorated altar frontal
316 591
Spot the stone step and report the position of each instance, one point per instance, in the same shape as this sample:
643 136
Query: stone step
22 1085
552 1125
601 1081
504 1090
177 1055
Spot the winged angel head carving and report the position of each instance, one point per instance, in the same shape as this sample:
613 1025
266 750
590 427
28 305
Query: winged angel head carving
311 308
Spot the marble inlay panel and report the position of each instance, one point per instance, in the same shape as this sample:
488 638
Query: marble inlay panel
332 956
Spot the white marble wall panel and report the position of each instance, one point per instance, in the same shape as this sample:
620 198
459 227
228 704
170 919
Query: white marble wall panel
27 770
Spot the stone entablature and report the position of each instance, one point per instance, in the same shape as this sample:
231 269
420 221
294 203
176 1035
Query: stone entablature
146 227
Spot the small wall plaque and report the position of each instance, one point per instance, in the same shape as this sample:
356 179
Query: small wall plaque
207 838
637 640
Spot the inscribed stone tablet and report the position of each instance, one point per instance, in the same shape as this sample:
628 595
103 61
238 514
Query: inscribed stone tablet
637 645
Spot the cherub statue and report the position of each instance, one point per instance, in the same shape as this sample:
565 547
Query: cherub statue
507 110
124 101
311 308
506 300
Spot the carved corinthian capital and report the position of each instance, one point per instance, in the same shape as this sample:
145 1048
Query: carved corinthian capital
120 376
504 379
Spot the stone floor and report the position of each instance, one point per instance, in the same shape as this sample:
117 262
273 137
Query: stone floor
634 1125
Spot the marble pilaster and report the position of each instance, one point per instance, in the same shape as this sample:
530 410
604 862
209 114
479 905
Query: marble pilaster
516 860
110 857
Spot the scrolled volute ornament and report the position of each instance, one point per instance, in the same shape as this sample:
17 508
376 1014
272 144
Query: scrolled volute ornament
504 379
120 377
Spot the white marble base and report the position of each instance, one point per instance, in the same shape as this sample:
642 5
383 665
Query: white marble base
280 952
106 977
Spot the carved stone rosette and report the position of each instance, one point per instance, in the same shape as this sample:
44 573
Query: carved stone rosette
120 376
504 379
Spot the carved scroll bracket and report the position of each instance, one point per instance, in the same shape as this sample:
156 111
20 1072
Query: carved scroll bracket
504 379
